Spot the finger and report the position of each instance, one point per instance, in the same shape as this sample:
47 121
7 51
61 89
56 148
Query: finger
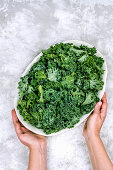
14 116
21 123
97 107
104 107
16 123
24 130
85 126
104 102
104 95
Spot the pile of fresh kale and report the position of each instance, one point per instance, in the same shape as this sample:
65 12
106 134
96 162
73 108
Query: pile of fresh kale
61 87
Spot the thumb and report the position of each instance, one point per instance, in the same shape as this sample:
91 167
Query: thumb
97 107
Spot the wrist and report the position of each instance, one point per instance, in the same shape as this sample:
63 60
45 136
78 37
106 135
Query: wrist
34 147
91 136
35 155
37 152
39 148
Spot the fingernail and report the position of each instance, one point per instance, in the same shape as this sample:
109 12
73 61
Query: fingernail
100 103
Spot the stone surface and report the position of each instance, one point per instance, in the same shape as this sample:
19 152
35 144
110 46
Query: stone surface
26 27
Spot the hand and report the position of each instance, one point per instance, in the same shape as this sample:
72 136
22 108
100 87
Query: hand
28 138
95 121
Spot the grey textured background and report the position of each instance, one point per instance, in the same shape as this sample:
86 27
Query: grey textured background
26 27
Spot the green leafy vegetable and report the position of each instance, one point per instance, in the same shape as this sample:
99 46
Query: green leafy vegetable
61 87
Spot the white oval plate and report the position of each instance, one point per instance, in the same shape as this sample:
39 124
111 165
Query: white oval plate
100 94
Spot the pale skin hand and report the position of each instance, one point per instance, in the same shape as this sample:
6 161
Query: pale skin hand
35 143
91 132
95 120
